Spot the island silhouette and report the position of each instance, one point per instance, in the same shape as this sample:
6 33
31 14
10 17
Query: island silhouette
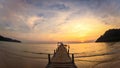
111 35
2 38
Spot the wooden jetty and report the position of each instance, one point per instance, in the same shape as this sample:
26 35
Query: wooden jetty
61 58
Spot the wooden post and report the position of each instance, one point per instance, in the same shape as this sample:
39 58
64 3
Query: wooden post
68 51
72 58
54 51
68 48
49 61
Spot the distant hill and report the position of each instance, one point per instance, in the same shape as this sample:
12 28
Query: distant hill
2 38
111 35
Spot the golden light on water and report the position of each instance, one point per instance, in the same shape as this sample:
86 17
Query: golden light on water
95 52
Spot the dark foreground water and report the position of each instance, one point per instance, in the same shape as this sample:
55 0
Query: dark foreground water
87 55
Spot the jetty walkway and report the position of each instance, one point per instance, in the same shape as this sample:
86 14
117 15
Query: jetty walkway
61 58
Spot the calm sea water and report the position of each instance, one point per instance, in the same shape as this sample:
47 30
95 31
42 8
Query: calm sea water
87 55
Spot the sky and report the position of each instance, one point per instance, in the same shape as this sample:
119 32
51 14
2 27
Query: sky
58 20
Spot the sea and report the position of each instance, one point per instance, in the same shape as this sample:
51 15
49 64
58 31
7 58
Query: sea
86 55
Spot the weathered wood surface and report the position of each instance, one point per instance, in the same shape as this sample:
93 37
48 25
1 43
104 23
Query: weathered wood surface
61 59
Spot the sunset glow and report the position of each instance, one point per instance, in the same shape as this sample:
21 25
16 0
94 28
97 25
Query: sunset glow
57 20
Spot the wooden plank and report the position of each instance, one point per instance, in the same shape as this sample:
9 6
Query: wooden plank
61 55
61 59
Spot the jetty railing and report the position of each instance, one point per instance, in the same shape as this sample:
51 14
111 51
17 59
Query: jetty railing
61 58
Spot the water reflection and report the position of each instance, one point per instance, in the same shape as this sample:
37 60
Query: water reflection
97 55
87 55
114 60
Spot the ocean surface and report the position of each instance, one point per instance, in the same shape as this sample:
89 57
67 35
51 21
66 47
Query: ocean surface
87 55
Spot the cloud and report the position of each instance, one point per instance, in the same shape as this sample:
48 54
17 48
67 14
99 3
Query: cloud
59 7
1 6
17 16
53 18
32 20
